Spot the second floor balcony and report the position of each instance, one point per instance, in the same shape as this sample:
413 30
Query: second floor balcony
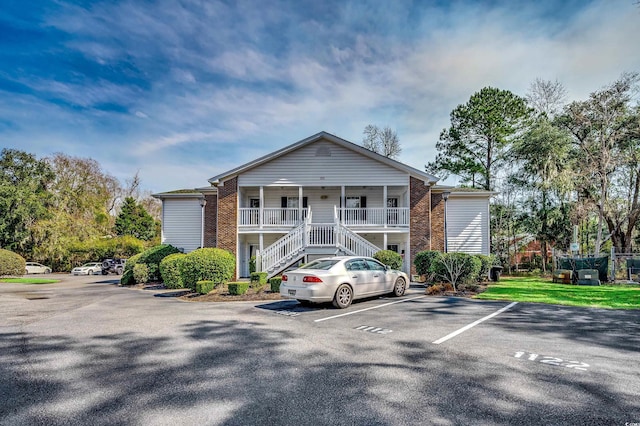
372 217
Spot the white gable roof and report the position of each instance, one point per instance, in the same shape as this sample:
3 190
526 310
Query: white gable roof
387 162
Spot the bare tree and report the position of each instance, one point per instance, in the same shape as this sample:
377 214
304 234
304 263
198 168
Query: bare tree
382 141
547 97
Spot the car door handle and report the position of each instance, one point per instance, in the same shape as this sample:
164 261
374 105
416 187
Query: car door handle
376 276
355 276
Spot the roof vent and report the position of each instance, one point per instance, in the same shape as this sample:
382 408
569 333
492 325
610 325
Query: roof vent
323 151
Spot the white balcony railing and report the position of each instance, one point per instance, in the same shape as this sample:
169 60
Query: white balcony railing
271 217
290 217
375 216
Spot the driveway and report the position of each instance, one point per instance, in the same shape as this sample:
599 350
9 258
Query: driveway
86 351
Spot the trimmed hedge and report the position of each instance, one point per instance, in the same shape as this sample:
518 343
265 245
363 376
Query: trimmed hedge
211 264
170 268
389 258
141 273
150 257
259 278
238 288
11 263
127 274
205 286
275 282
423 261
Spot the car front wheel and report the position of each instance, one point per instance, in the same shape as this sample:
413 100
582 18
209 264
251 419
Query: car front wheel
399 287
89 272
343 297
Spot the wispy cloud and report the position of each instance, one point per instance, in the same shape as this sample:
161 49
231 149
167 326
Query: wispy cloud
215 84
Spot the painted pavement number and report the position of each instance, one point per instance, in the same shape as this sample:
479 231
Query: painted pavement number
287 313
551 360
371 329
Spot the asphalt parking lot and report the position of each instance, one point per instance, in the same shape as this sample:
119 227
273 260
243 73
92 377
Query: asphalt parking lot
86 351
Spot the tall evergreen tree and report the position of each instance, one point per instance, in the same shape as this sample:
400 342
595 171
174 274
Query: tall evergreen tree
478 141
134 220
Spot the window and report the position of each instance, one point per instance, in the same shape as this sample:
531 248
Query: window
353 202
254 203
375 266
392 247
356 265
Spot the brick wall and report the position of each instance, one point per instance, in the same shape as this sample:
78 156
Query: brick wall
210 220
420 213
437 222
228 216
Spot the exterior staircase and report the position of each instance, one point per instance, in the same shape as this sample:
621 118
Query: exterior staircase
307 235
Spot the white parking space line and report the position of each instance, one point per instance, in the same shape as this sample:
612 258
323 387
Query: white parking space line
368 309
473 324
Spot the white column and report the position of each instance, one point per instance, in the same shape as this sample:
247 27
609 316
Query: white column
261 211
384 200
300 203
384 240
343 203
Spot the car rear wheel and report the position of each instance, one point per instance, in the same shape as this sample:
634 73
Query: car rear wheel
47 271
399 287
118 271
90 272
343 297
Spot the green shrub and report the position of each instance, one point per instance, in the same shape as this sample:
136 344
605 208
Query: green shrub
211 264
205 286
170 268
389 258
11 263
456 268
487 262
252 264
141 273
237 288
258 278
423 261
150 257
128 277
275 282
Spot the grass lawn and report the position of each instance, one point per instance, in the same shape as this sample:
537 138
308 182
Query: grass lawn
541 290
28 280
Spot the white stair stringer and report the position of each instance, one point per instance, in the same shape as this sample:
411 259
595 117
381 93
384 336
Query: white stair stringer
291 247
275 257
353 243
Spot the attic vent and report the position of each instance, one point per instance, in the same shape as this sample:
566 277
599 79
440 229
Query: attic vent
323 151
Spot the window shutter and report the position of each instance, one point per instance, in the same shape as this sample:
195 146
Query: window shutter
283 202
305 202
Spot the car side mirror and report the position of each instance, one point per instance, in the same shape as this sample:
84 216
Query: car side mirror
387 267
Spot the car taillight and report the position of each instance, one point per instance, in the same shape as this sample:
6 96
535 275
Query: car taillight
284 278
311 279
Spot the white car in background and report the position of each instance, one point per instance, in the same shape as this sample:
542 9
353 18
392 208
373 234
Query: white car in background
93 268
36 268
342 279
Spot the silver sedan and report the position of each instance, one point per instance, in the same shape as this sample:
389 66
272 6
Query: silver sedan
93 268
342 279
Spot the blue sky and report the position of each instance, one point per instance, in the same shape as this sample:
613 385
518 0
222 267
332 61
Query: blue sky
184 90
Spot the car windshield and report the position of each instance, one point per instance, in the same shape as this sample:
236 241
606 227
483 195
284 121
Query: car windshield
320 264
88 265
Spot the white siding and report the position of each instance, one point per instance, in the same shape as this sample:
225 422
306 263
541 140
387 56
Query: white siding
182 223
323 163
468 224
